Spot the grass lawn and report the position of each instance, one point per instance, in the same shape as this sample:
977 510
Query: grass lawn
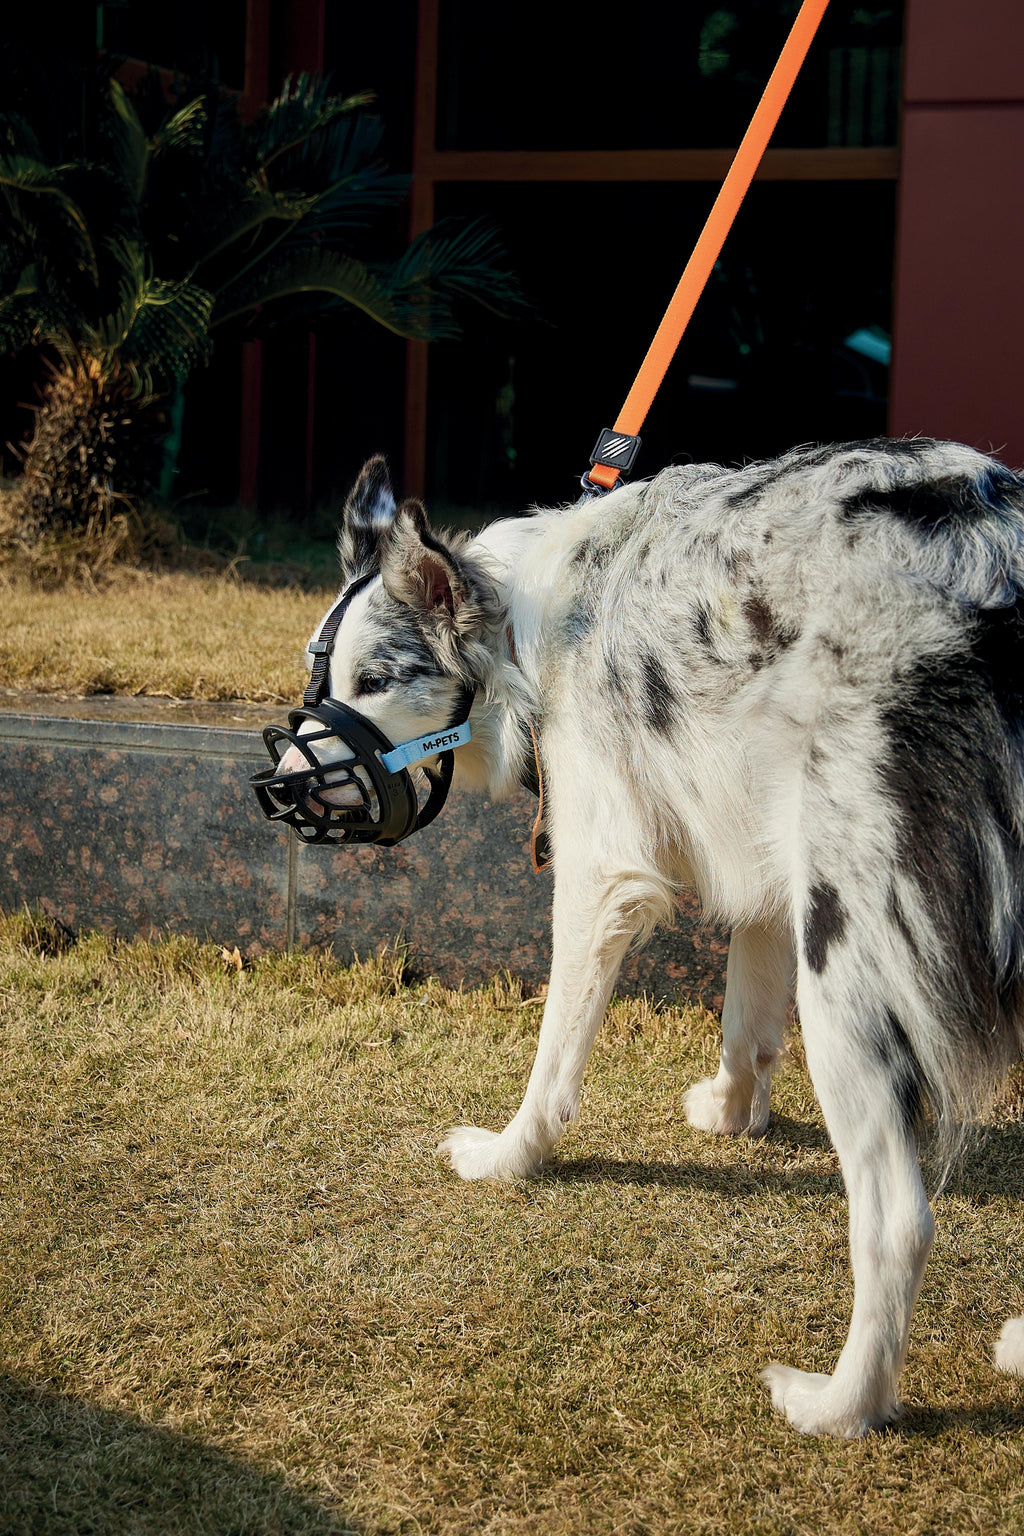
178 633
240 1294
210 628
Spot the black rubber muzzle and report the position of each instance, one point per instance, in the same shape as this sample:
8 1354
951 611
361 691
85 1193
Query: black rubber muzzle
386 809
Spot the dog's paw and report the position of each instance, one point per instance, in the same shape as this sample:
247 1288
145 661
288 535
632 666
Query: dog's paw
1008 1353
477 1154
811 1404
708 1109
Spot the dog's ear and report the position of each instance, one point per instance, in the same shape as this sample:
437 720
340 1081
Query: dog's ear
417 568
369 513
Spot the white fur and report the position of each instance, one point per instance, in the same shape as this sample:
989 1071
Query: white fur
744 682
1008 1352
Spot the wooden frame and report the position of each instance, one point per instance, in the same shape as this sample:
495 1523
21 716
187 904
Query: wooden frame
431 166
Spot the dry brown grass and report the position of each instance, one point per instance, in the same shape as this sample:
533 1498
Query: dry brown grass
181 634
239 1292
121 535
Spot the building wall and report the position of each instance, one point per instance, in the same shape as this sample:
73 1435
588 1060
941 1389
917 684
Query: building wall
959 281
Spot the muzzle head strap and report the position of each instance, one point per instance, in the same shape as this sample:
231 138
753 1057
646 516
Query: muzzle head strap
322 648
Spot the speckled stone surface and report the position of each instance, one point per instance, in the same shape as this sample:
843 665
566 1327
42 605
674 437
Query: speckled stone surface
139 828
135 816
464 895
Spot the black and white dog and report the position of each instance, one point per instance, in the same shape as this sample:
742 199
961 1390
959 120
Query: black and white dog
797 687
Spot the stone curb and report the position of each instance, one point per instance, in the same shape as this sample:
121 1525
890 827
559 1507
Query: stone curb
135 816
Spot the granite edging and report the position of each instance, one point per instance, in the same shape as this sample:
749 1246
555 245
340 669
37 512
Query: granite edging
135 816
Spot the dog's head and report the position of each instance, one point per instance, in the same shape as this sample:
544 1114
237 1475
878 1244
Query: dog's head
413 639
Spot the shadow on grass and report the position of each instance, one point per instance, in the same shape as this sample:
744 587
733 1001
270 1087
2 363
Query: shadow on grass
70 1469
989 1167
732 1181
992 1163
734 1178
993 1420
798 1135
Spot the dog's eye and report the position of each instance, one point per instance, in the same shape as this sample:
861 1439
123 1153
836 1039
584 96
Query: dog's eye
371 683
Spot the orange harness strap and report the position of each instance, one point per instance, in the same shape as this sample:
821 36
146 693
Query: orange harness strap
705 253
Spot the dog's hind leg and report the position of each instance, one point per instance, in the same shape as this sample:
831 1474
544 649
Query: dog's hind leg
596 915
867 1082
758 994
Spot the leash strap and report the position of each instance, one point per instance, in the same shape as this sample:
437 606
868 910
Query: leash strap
540 843
617 447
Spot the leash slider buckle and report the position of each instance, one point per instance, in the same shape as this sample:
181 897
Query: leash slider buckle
616 450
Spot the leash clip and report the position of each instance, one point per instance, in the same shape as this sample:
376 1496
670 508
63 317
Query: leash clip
591 487
616 450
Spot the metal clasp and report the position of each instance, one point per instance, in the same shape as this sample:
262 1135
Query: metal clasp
591 487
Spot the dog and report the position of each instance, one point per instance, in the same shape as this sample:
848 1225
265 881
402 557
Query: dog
796 687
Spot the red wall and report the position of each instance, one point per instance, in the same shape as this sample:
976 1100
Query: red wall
958 356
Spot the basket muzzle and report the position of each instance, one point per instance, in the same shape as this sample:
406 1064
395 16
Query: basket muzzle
354 785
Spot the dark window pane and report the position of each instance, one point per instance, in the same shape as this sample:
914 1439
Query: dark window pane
665 77
374 48
767 360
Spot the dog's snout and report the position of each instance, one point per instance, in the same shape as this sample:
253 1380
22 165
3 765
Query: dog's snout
321 785
293 761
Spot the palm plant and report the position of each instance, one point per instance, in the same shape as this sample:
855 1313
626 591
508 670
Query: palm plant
121 265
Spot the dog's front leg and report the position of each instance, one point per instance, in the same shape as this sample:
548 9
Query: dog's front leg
595 917
758 996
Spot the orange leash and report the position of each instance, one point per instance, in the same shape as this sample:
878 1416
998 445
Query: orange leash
620 443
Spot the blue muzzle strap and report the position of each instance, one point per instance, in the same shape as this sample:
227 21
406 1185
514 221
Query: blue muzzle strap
415 751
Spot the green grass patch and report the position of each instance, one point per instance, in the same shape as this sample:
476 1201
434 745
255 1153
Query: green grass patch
240 1293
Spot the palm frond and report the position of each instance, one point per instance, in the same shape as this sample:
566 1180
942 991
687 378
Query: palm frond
334 220
31 317
239 213
329 273
19 323
169 335
227 147
123 140
183 130
35 196
159 330
336 150
341 164
412 297
456 260
304 107
18 137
